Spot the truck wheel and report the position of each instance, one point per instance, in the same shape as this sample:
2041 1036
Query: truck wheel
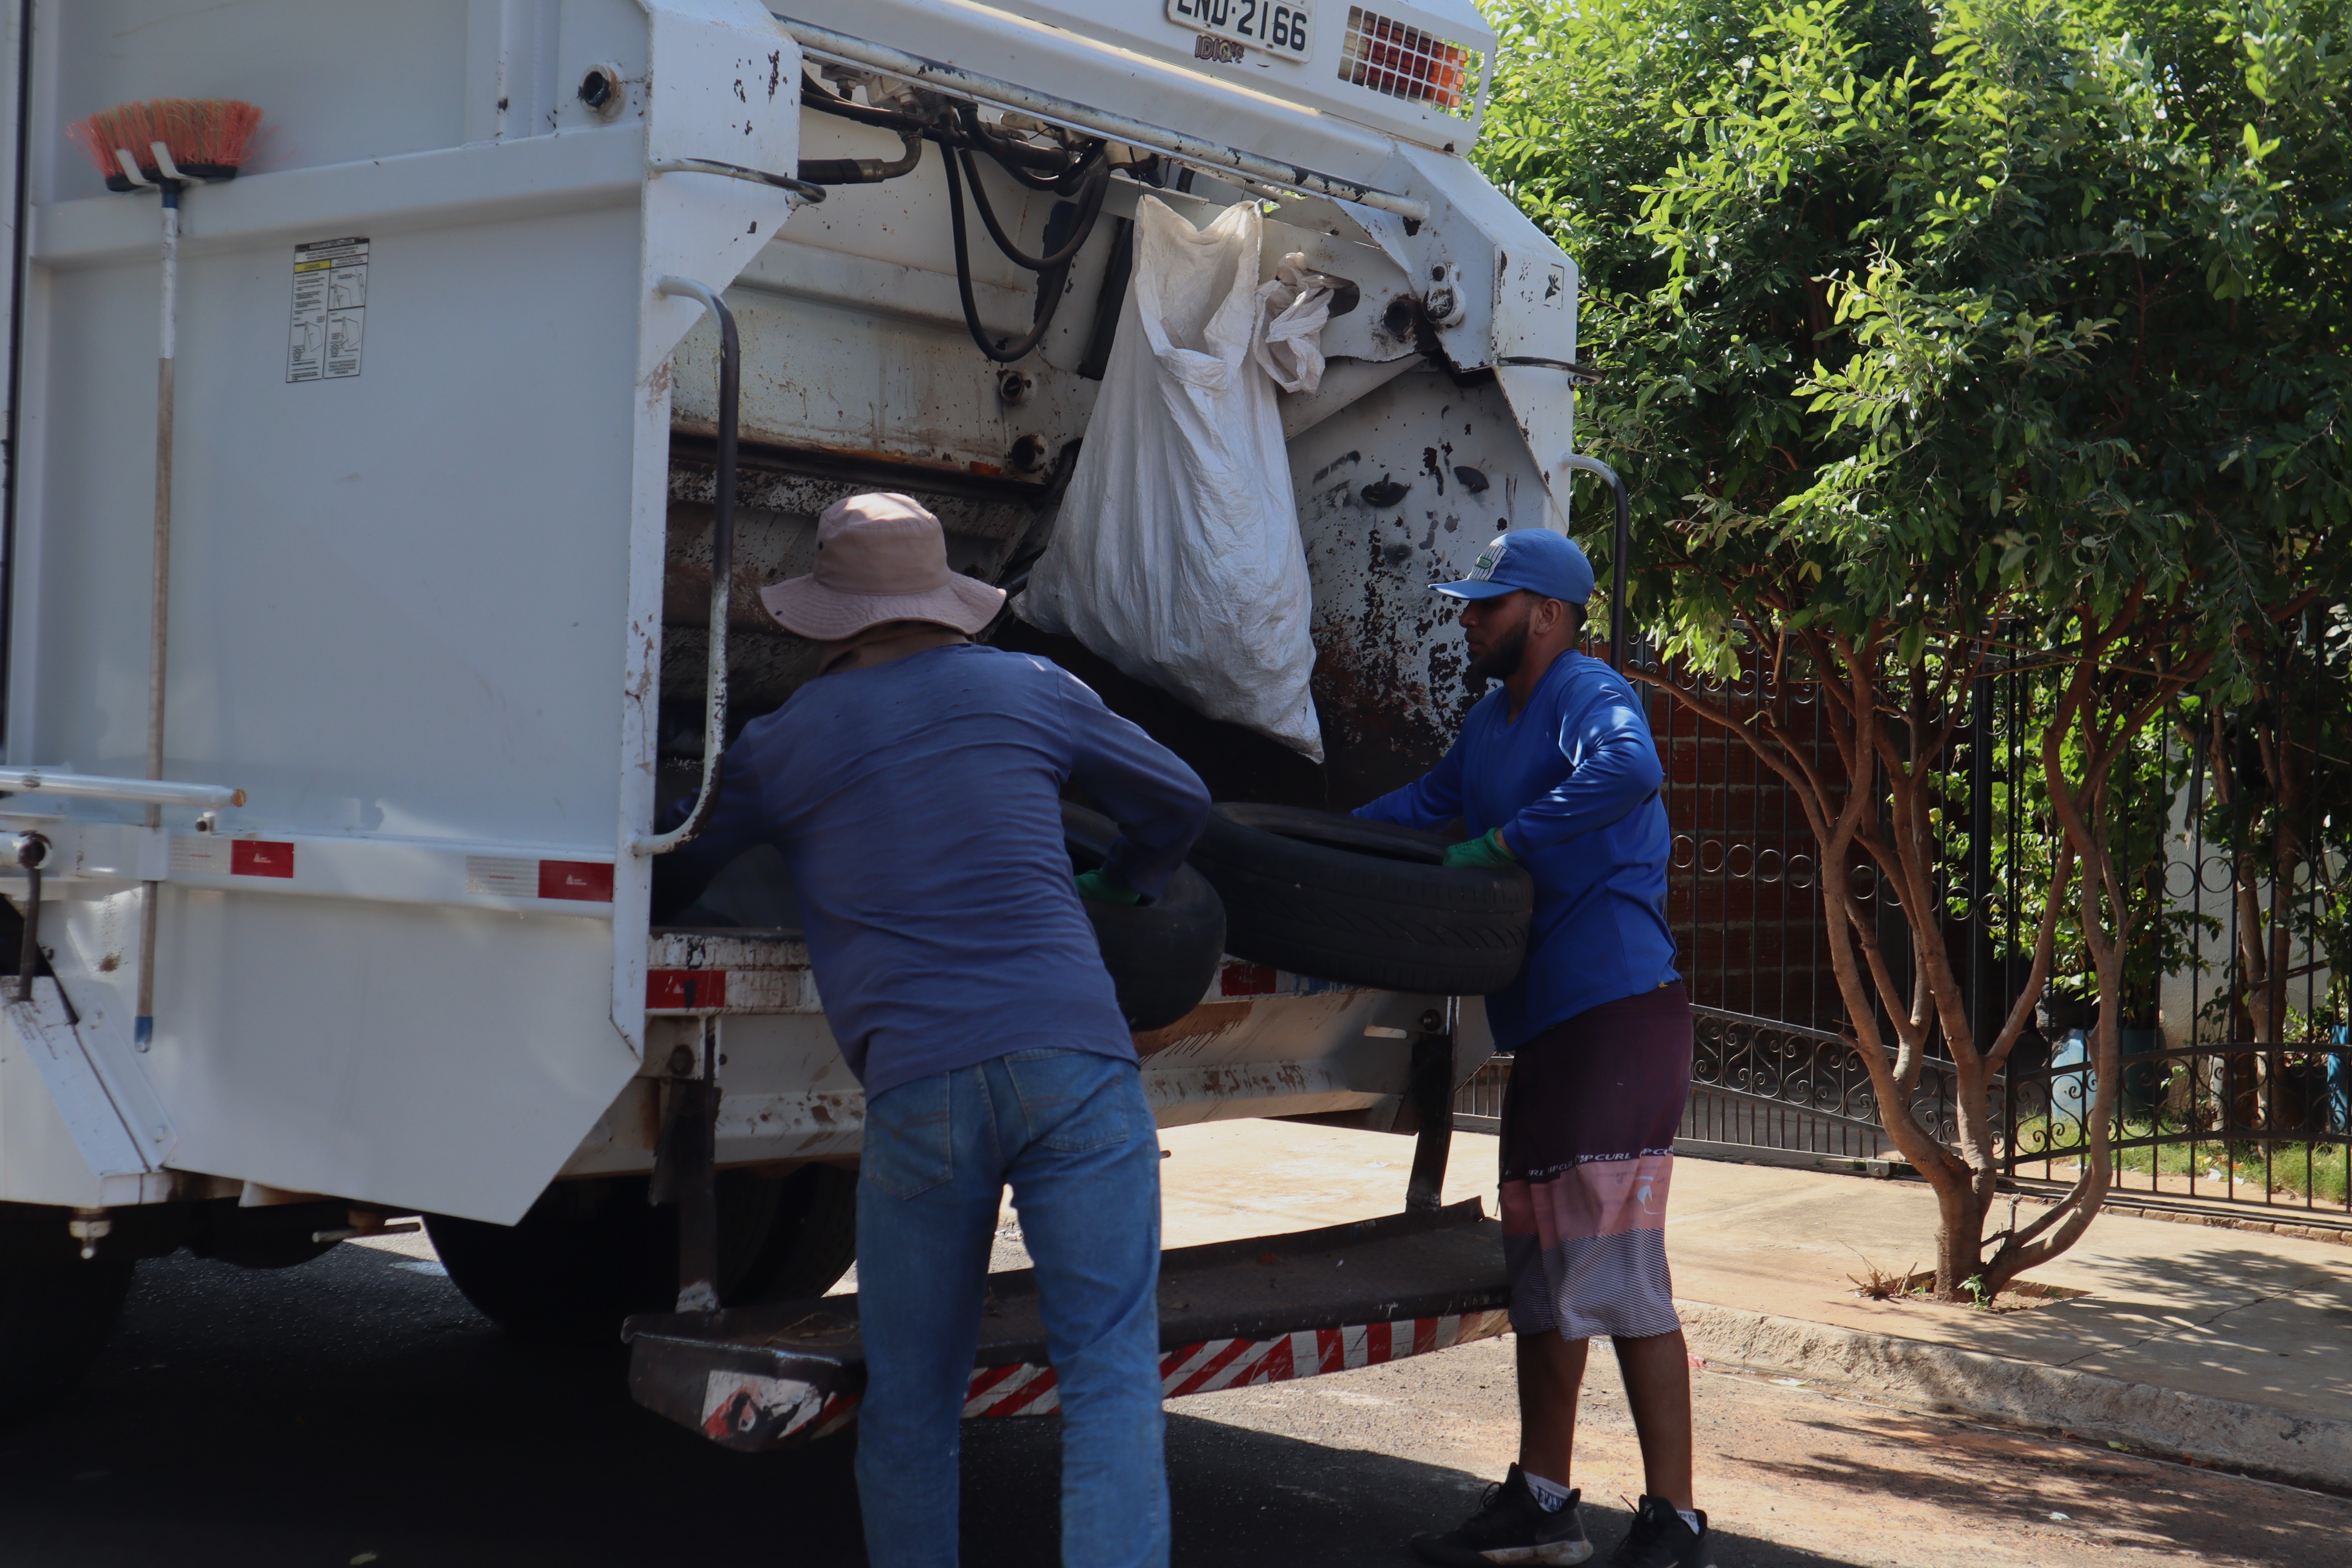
1161 955
1365 903
810 1244
54 1319
590 1253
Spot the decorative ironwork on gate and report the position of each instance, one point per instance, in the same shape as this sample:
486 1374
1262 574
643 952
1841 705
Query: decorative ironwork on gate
2235 836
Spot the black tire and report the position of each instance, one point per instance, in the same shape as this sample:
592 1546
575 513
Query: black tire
811 1243
590 1253
1363 903
276 1236
1163 955
54 1320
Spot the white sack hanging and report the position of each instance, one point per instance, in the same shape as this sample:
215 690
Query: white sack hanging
1176 556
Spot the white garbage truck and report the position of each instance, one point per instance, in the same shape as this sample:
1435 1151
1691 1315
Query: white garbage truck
359 627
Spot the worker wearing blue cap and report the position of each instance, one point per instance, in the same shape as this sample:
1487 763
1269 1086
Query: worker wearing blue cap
1555 770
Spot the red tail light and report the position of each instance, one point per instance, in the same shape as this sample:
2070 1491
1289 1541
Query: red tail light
1400 61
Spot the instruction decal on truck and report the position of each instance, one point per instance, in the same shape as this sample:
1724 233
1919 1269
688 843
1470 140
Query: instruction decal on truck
330 310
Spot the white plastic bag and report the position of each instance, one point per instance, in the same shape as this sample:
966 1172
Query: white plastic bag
1293 307
1176 554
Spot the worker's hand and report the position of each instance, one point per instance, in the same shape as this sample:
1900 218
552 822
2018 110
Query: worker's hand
1104 889
1488 850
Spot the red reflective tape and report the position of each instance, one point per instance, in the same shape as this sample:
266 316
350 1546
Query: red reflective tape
591 881
684 990
986 1386
1023 1401
1215 1365
1424 1335
1276 1366
1330 1350
1245 980
259 858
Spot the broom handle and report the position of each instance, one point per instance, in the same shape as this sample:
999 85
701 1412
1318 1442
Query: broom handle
160 613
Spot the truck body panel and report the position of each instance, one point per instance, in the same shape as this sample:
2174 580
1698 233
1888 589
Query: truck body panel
428 614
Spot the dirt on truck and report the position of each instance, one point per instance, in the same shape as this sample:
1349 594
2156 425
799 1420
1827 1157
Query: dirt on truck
362 621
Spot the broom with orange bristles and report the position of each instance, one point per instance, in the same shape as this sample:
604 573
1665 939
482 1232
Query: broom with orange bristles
162 145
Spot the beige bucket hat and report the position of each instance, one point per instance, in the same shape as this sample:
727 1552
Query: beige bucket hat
880 557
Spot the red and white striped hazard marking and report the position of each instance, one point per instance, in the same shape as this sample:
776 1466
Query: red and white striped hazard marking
747 1409
1212 1364
736 1405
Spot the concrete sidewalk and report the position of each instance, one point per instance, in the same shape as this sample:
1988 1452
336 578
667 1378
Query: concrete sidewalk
2220 1346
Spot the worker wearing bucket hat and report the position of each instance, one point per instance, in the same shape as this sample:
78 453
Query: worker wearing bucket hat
881 561
914 788
1555 770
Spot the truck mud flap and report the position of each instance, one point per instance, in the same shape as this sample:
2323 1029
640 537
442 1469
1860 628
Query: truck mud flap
1232 1313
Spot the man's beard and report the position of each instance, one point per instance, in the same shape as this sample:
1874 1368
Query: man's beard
1501 659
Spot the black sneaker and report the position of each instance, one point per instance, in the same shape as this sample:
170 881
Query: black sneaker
1510 1526
1660 1539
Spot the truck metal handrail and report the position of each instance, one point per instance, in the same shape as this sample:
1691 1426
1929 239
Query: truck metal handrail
1212 158
98 787
722 566
1579 463
805 190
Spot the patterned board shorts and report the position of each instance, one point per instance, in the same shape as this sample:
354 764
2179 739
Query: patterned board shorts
1589 1122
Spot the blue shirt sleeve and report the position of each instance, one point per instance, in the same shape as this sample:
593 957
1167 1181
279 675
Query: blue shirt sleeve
735 825
1430 801
1161 804
1607 742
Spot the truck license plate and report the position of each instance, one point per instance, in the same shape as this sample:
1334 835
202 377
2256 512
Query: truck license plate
1283 29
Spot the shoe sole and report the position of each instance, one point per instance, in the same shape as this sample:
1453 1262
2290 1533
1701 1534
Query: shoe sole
1556 1554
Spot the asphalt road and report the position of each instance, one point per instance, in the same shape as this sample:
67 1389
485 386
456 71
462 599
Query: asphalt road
358 1411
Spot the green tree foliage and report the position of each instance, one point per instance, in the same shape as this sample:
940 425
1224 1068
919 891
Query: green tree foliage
2005 334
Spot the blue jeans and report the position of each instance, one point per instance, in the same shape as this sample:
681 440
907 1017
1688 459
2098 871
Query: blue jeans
1073 1135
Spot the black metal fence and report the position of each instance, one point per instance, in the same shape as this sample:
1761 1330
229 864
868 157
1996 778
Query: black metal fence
2232 825
2262 1124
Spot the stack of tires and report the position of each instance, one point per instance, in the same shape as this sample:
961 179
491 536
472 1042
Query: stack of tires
1315 893
1364 903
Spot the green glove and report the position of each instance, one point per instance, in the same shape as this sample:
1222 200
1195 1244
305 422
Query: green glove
1104 889
1485 851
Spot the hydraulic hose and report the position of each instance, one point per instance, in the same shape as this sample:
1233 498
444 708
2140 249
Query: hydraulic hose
813 95
1046 307
865 170
1090 207
1079 177
1011 155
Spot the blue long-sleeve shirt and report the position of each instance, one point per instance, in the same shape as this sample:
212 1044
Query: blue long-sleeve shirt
1573 785
918 805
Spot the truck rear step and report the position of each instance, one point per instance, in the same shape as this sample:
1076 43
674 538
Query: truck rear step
1232 1313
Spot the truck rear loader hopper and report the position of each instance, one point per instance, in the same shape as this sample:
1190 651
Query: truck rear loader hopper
435 634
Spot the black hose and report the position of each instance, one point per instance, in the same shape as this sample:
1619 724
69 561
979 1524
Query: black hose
1063 171
1090 204
813 95
1074 177
865 170
1046 306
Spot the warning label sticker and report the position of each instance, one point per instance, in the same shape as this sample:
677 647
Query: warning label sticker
588 881
330 310
502 875
204 855
201 854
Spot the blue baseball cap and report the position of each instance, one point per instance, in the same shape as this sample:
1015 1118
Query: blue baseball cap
1535 559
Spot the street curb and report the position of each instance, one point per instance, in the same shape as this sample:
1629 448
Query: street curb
2259 1438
